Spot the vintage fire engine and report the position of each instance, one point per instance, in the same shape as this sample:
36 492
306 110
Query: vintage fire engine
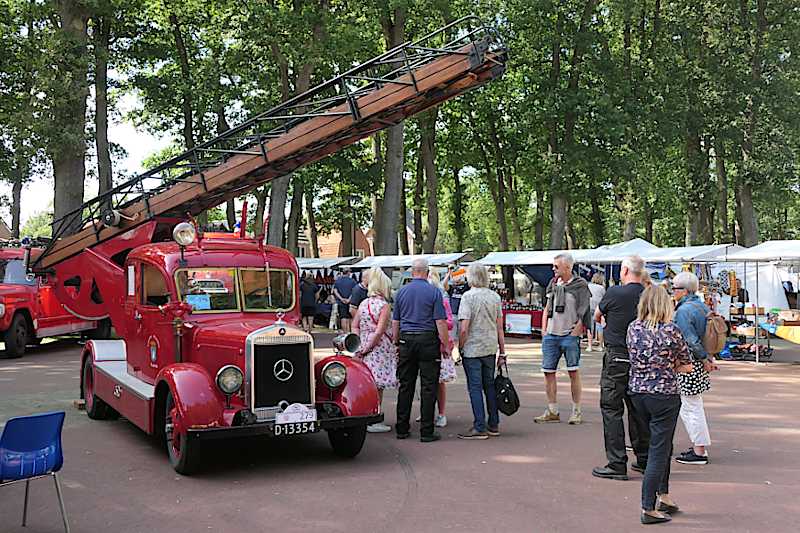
209 347
29 309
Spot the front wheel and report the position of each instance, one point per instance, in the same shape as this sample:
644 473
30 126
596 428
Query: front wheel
183 453
347 442
16 337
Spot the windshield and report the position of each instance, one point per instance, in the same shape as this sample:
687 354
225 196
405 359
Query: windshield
267 290
208 290
220 290
12 271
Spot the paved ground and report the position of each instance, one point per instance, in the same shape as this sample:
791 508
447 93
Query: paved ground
533 478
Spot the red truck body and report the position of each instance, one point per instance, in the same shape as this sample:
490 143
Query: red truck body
29 309
179 334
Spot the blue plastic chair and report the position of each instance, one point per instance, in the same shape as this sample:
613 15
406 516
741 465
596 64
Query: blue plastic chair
30 448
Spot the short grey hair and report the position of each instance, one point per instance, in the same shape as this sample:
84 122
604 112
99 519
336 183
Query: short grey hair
566 258
419 265
686 280
477 275
634 264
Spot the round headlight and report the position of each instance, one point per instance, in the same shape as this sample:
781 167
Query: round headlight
184 233
334 374
229 379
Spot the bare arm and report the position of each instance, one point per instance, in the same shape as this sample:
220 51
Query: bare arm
396 331
544 317
444 337
382 326
355 327
598 316
501 340
463 333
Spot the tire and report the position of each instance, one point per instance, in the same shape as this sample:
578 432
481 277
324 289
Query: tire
96 408
183 453
16 337
102 331
347 442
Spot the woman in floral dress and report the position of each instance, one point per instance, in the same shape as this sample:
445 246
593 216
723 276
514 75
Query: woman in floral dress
447 372
378 351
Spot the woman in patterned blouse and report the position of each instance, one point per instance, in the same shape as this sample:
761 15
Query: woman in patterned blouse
658 353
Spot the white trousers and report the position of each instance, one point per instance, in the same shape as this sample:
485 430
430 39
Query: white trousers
694 420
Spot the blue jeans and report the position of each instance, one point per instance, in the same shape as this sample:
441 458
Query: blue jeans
555 345
480 382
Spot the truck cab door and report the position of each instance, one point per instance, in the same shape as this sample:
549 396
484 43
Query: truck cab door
149 338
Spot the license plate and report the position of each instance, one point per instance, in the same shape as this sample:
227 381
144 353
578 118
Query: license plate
297 412
296 428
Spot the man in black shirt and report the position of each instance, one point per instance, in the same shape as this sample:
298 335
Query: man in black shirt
619 307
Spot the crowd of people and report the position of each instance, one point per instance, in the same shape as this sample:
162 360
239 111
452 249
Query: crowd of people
655 364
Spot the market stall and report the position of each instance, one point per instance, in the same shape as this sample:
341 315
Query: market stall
779 252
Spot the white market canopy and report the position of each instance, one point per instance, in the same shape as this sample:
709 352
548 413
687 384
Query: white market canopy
685 254
404 261
532 257
317 263
615 253
781 251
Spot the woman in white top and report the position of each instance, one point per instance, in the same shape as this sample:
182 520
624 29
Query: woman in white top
598 290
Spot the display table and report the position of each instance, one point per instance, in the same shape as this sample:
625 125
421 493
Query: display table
522 322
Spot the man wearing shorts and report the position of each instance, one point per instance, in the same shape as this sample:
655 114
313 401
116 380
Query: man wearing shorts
565 316
342 290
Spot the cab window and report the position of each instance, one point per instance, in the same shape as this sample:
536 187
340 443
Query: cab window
154 289
12 271
208 290
267 289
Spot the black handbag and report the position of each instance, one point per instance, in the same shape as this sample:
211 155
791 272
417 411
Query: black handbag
507 397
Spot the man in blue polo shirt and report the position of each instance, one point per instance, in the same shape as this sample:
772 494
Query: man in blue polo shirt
342 291
419 324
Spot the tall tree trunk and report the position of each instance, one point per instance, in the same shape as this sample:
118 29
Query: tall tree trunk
377 201
493 182
101 37
458 209
560 199
346 245
538 227
312 222
393 26
598 225
277 210
261 208
295 216
419 189
68 154
402 223
20 175
187 87
748 223
723 228
222 127
691 236
427 145
748 218
649 216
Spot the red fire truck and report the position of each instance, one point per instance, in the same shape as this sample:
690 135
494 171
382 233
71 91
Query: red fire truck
29 310
209 346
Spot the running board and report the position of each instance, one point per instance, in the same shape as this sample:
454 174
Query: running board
129 396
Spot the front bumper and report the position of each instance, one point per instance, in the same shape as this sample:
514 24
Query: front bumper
268 428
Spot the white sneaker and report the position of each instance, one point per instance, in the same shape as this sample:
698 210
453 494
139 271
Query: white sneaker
418 419
441 421
378 428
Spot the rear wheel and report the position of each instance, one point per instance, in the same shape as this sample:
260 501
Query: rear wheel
16 337
183 453
347 442
96 408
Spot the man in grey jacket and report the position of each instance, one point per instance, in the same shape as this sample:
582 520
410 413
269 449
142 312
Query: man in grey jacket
566 316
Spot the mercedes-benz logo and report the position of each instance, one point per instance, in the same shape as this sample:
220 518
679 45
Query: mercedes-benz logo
283 370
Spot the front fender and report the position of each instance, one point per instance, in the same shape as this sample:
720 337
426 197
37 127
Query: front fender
358 396
199 403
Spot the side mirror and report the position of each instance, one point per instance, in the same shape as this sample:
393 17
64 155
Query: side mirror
346 342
